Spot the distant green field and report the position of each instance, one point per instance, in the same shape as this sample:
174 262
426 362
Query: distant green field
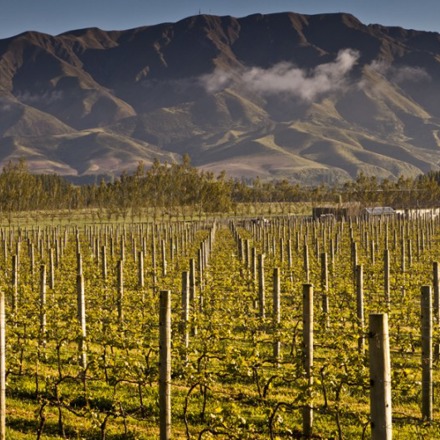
110 216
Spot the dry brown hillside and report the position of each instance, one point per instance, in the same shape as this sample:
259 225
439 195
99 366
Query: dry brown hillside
311 98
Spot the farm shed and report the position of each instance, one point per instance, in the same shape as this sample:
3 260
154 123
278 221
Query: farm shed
379 211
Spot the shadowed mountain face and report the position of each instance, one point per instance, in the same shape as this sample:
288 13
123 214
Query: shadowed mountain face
309 98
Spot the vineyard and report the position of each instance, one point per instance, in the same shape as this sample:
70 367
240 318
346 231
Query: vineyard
270 334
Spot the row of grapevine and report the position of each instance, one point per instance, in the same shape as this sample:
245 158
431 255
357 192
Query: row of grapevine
201 330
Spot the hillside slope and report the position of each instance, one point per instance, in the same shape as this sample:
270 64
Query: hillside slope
310 98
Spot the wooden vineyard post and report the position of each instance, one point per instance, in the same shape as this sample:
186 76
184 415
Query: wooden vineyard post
354 255
436 312
51 270
141 280
426 324
17 251
165 365
134 249
261 293
112 247
104 262
200 278
240 250
2 366
79 264
436 280
42 305
372 252
192 292
418 244
164 258
192 283
380 377
172 249
317 249
360 304
409 246
276 312
254 267
402 258
386 277
386 236
308 356
153 264
120 296
289 254
185 309
324 288
31 259
82 320
332 255
122 249
15 284
306 262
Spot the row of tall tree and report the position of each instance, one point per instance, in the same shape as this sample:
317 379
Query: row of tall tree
177 186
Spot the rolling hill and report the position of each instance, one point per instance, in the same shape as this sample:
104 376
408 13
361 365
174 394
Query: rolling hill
310 98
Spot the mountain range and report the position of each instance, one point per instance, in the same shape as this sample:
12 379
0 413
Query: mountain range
309 98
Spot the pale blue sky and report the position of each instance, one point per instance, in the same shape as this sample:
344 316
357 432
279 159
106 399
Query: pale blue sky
56 16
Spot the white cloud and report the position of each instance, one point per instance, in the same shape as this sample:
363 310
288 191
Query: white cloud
400 74
408 73
43 98
216 81
5 105
286 78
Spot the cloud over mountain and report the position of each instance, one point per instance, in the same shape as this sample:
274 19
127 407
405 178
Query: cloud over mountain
286 78
45 97
401 73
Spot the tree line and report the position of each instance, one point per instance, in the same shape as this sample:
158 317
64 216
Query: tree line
178 185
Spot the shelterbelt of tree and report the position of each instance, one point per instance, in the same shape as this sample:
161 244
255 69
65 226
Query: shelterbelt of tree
174 185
